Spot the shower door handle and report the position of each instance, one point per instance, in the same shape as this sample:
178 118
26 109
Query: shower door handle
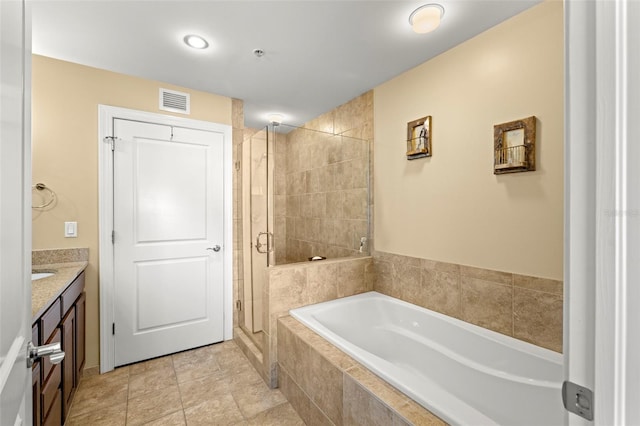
259 245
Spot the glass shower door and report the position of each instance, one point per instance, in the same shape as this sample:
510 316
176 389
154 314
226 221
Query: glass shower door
257 237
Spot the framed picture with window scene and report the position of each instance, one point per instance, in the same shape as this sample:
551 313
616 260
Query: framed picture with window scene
419 138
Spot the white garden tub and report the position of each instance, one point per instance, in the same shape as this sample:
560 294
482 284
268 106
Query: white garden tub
465 374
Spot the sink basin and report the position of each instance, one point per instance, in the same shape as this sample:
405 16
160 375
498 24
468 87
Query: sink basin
41 275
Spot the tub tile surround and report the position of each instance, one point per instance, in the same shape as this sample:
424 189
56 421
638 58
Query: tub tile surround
348 394
295 285
527 308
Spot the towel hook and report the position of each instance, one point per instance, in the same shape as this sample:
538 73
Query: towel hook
42 187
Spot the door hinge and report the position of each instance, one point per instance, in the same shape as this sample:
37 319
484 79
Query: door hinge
578 400
237 165
111 140
113 328
238 305
113 237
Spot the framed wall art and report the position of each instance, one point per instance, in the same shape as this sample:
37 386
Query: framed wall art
514 146
419 138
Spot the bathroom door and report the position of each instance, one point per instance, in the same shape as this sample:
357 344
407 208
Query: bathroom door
15 214
168 222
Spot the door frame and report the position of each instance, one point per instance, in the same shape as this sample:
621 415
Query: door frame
106 115
602 208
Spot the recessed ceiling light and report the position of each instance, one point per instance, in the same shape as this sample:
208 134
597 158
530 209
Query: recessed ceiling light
275 118
426 18
195 41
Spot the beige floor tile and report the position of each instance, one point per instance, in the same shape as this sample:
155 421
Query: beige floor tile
193 392
256 397
111 416
213 385
150 407
174 419
219 411
151 365
111 392
119 375
280 415
191 365
151 381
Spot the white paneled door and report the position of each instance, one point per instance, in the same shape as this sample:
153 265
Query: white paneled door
168 238
15 213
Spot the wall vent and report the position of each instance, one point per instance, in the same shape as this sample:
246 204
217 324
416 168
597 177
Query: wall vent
173 101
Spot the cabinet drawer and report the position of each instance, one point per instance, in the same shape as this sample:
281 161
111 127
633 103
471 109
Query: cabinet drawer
50 390
72 293
50 320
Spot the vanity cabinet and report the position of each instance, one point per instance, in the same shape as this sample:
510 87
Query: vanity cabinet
54 385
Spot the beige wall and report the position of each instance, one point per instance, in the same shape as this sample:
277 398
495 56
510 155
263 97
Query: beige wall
65 153
451 207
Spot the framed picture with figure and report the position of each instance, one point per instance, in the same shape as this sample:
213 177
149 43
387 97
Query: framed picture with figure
419 138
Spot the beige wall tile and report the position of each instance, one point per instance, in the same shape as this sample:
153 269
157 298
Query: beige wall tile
355 204
537 318
441 292
487 304
322 282
540 284
362 408
440 266
486 275
384 281
351 277
287 288
327 392
296 397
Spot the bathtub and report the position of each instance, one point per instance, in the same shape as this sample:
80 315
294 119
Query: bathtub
464 374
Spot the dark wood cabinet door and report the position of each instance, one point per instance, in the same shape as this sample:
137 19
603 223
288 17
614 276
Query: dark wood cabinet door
68 326
80 332
36 386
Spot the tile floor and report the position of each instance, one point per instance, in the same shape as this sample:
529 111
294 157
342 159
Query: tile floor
213 385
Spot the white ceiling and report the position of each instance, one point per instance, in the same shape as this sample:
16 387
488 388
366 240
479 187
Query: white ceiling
318 54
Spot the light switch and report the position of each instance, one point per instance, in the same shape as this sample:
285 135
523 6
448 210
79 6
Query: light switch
70 229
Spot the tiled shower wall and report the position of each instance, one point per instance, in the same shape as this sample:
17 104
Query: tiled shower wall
322 184
524 307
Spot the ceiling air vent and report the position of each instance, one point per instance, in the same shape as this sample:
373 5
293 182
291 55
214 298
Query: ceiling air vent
173 101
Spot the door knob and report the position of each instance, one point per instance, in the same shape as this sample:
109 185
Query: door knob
215 248
53 351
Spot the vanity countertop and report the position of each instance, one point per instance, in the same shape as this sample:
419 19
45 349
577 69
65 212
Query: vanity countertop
44 291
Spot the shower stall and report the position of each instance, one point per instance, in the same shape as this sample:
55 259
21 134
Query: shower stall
305 195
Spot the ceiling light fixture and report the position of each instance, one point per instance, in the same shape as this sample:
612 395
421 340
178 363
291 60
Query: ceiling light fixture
275 119
196 41
426 18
